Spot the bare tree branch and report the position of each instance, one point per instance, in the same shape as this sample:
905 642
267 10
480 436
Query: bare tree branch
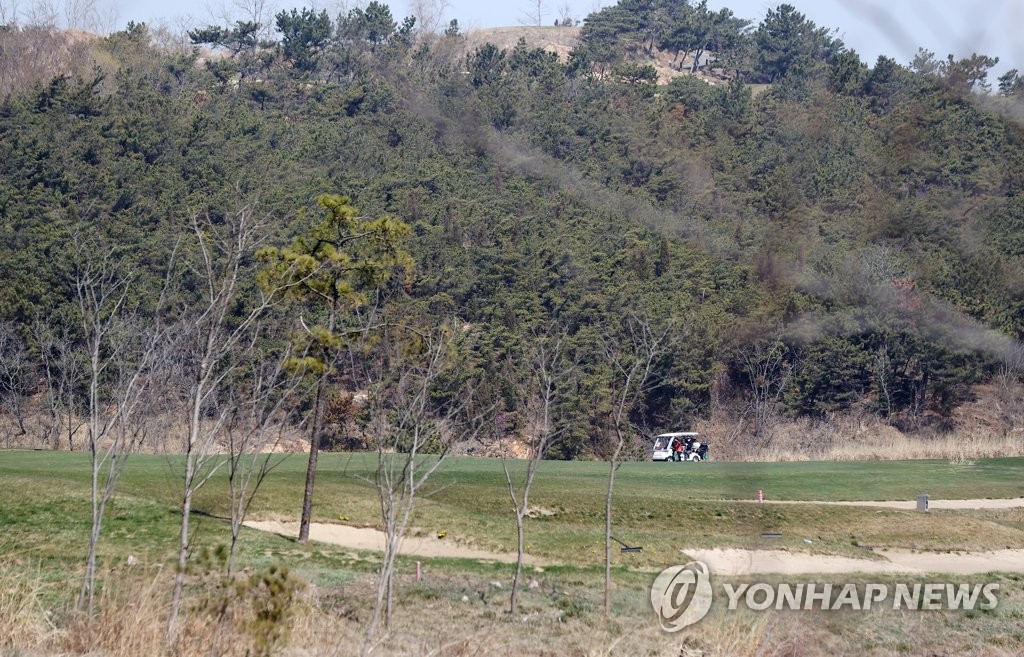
631 354
16 372
214 342
413 434
552 373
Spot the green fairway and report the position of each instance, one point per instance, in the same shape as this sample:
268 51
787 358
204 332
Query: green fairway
156 477
661 506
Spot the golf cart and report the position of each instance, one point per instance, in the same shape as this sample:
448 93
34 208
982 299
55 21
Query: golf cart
691 448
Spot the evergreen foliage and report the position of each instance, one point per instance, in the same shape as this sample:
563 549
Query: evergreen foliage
868 217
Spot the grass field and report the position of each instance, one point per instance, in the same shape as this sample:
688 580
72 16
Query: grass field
661 506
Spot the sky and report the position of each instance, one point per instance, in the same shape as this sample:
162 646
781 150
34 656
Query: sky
895 28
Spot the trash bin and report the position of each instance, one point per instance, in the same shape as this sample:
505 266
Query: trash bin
922 502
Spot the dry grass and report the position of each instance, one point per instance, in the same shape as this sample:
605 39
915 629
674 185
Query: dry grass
164 441
24 623
130 618
861 438
132 611
434 619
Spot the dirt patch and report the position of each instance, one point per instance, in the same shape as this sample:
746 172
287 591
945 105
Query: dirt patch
559 40
367 538
733 561
562 39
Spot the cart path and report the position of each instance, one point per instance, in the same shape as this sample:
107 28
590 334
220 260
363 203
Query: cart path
734 561
368 538
910 505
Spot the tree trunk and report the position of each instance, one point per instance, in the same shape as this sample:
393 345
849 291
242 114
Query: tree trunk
314 443
696 60
183 550
384 590
519 561
314 452
186 504
85 596
613 466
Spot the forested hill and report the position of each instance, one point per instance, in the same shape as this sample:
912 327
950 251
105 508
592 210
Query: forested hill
819 235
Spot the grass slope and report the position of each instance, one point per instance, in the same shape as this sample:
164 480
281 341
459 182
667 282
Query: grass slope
661 506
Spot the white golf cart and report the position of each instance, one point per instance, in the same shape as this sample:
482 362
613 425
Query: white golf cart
692 449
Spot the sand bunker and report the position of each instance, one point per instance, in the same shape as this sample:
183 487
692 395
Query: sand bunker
367 538
759 562
722 561
910 505
748 562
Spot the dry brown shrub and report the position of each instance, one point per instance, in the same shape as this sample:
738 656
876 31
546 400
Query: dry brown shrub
24 623
860 437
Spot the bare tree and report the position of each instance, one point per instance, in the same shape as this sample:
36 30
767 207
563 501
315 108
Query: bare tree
16 373
215 339
413 435
118 349
64 374
42 14
9 12
565 15
534 13
88 16
429 14
768 370
261 412
260 409
551 374
32 54
882 366
631 355
260 12
1008 380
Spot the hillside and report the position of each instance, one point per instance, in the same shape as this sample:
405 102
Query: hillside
844 249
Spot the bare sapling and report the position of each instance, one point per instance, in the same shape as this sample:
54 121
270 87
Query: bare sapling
216 339
118 349
413 433
16 375
261 405
429 14
769 369
262 412
631 355
552 374
63 373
